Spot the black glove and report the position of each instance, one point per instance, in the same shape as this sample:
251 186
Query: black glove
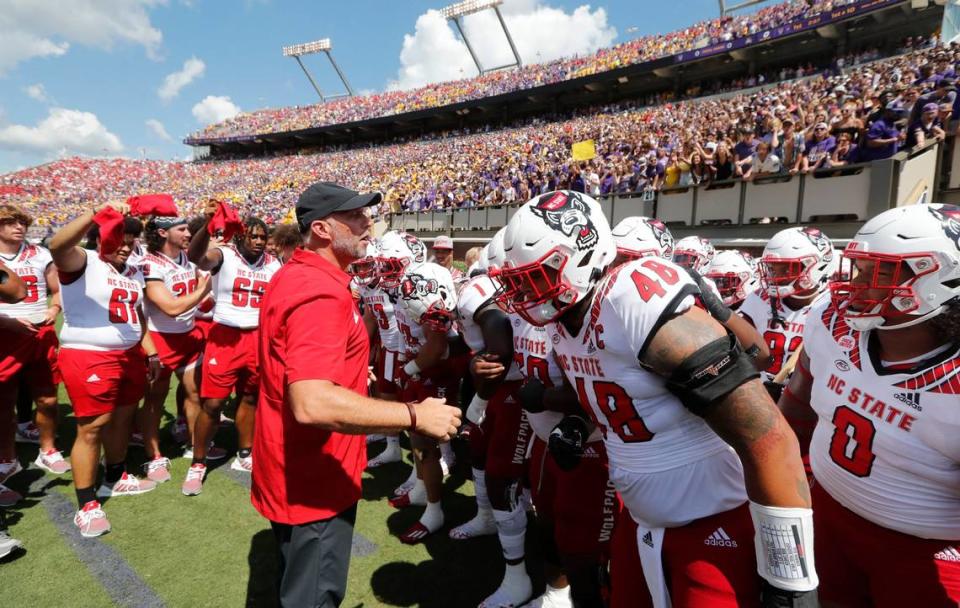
566 442
714 305
771 597
530 395
774 390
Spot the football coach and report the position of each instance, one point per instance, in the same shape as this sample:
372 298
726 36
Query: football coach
313 410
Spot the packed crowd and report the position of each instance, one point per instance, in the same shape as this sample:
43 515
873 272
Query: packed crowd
617 390
779 128
640 50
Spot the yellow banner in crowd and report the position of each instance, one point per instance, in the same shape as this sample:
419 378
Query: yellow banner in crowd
290 218
584 150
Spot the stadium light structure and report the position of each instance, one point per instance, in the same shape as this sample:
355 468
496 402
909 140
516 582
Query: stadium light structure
311 48
456 12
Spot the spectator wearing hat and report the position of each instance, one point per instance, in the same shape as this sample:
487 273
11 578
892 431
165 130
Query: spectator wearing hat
883 137
313 409
816 154
926 128
443 255
945 92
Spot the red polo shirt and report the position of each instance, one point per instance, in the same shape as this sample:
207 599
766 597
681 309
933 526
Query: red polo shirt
310 329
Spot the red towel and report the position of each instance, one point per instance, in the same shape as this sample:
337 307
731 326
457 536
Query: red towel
110 222
153 204
226 221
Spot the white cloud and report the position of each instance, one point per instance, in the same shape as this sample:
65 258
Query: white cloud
63 131
192 69
434 54
214 108
158 129
29 28
37 92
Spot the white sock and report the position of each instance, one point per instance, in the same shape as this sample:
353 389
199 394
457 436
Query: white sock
432 517
511 528
513 572
480 489
556 592
393 443
410 481
418 494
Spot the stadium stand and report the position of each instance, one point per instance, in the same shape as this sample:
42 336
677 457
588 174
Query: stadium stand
677 155
700 36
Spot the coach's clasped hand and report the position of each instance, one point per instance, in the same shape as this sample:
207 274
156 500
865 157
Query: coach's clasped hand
437 420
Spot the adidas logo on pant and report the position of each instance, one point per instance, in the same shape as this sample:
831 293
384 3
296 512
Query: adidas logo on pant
950 554
719 538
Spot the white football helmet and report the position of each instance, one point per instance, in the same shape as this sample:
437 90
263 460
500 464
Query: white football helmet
638 237
905 261
364 270
428 296
796 261
733 275
557 247
495 253
693 252
397 251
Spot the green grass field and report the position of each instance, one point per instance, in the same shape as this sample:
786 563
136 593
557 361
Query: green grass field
215 550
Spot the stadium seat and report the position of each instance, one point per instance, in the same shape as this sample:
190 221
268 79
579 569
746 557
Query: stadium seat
772 197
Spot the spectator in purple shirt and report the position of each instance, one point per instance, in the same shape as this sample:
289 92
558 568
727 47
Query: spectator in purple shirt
883 137
927 128
743 152
816 154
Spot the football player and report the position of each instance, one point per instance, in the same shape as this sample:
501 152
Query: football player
694 252
381 324
241 272
173 290
29 362
734 276
700 455
498 440
427 304
877 399
794 270
106 357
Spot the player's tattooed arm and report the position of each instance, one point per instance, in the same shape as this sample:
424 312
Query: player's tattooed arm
795 403
746 418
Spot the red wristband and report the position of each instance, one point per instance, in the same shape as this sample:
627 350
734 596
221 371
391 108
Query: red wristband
413 416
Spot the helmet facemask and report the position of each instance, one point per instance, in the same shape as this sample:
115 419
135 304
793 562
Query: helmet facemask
364 270
390 271
786 277
730 285
884 289
537 292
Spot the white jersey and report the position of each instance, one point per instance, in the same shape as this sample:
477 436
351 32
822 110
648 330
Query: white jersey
659 451
887 443
137 253
383 308
783 339
411 335
179 276
238 288
100 307
30 264
533 356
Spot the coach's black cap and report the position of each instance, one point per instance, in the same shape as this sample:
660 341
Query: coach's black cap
323 198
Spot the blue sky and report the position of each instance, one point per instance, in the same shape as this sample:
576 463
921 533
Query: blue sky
85 76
